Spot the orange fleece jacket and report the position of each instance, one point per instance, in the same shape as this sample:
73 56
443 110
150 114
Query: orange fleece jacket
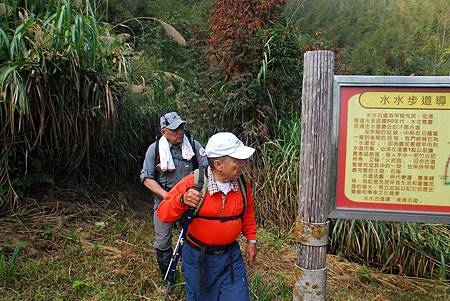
211 232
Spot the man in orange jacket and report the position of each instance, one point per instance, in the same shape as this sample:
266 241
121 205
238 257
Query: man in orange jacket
212 262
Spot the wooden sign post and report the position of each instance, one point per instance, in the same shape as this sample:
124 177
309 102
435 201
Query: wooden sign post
372 147
315 178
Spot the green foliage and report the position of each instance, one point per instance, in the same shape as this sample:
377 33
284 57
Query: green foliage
47 231
61 80
380 37
132 132
276 175
36 175
364 273
250 104
117 11
99 227
266 291
164 75
78 284
8 271
404 248
64 107
186 15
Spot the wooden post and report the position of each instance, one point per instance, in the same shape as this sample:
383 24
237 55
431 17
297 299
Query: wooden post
314 186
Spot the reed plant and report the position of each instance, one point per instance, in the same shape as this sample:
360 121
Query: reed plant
403 248
276 175
60 88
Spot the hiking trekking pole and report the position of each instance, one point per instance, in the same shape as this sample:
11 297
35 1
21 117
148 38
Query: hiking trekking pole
169 277
170 273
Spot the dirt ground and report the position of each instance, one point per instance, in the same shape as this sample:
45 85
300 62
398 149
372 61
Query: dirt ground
78 247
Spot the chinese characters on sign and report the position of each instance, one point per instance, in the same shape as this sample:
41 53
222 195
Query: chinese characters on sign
388 150
409 100
396 150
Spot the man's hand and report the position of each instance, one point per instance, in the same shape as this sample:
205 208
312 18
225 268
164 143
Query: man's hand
192 197
251 253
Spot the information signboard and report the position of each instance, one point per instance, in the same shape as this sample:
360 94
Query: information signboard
392 138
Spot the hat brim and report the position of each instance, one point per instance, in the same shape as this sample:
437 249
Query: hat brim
243 152
174 125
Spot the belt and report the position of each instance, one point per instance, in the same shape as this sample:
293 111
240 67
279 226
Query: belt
217 250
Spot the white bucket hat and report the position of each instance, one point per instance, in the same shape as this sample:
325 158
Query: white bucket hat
227 144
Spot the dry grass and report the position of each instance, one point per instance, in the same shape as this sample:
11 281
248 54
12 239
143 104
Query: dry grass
86 248
346 280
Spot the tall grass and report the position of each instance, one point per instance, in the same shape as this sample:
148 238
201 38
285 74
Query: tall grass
276 175
58 89
404 248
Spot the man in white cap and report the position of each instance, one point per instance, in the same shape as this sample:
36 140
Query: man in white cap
167 161
212 262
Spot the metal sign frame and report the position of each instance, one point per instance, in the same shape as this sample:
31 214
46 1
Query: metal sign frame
378 81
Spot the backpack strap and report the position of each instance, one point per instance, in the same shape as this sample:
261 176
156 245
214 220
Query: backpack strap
201 184
243 186
191 141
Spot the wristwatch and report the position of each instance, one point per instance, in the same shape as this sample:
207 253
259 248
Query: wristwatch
182 200
251 241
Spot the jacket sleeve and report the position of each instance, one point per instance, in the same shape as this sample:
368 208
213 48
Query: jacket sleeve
148 168
249 222
171 209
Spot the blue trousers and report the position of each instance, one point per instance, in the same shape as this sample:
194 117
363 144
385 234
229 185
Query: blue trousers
218 283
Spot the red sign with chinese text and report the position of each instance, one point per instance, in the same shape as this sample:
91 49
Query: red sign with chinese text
394 149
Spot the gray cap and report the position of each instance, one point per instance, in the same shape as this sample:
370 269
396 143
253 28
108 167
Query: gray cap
171 121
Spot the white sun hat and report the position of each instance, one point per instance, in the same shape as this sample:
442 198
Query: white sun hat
227 144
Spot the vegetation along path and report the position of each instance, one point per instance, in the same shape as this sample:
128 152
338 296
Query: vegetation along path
82 87
77 247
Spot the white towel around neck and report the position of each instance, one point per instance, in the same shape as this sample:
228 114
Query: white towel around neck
165 156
